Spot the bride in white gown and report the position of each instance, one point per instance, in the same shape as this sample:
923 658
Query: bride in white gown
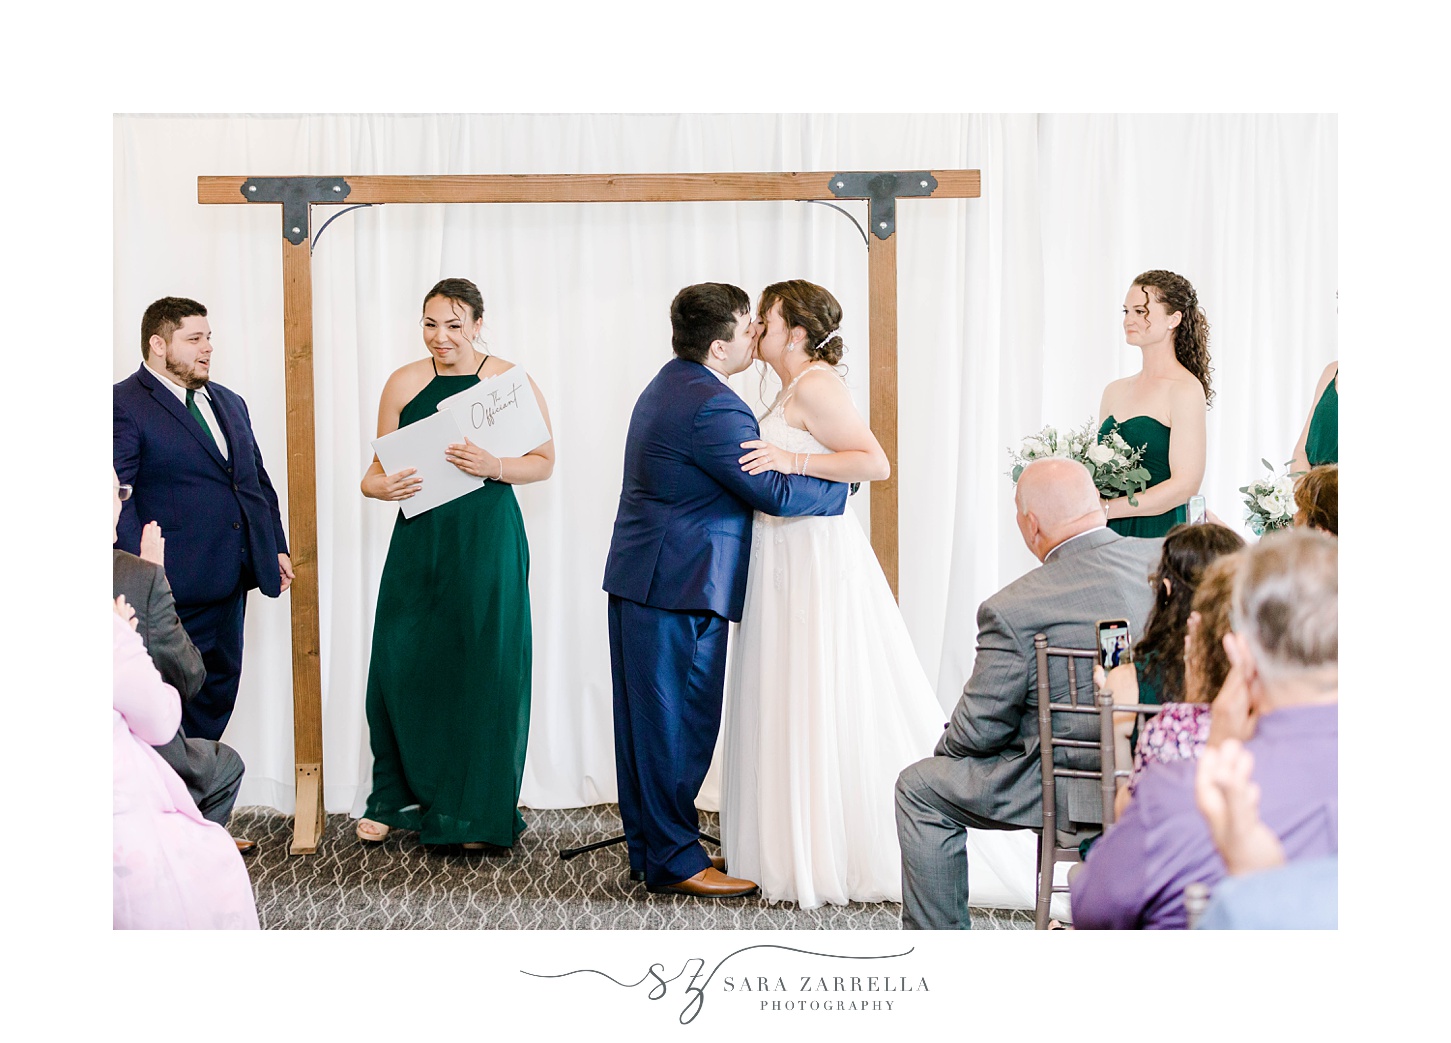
825 699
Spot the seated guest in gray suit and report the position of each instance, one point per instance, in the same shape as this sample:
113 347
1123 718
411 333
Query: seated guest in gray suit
211 771
985 770
1280 699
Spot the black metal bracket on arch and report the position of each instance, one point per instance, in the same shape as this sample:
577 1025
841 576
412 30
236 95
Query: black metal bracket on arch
296 194
882 189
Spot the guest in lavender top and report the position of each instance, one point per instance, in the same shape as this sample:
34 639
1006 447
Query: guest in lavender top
1281 697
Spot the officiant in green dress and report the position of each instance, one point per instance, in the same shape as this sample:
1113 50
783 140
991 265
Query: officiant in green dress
450 674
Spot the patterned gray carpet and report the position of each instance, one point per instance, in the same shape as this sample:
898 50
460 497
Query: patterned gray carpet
400 884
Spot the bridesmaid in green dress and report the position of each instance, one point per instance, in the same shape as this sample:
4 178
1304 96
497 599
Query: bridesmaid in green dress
1162 406
449 679
1320 438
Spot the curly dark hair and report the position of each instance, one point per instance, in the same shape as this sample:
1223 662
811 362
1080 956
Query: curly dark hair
812 308
1317 495
1191 336
1188 551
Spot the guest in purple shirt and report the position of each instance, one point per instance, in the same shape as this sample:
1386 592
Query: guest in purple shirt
1261 892
1281 697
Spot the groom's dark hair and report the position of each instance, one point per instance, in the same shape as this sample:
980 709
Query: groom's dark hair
702 314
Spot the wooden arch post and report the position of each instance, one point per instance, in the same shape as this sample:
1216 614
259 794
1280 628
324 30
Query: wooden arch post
297 195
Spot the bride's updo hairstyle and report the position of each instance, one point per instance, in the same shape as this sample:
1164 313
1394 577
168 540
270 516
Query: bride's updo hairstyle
461 292
812 308
1191 336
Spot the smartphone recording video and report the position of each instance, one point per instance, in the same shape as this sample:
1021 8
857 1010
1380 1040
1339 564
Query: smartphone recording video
1113 642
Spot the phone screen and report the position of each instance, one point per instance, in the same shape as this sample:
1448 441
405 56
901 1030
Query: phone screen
1113 642
1196 510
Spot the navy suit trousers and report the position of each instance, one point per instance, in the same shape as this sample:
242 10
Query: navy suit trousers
216 629
669 675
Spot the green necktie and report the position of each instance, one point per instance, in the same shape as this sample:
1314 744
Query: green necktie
191 407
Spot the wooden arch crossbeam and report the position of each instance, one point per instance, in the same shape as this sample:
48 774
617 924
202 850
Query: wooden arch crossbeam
298 194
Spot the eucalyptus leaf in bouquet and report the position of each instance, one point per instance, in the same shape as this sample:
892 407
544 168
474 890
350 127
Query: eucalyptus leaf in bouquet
1114 464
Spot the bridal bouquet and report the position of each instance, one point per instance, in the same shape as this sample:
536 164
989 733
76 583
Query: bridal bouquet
1269 503
1114 464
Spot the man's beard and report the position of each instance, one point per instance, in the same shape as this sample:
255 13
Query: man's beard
187 378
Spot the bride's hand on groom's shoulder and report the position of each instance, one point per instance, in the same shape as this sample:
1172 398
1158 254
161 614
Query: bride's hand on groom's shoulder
764 456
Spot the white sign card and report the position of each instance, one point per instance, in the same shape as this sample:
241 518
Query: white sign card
501 414
421 445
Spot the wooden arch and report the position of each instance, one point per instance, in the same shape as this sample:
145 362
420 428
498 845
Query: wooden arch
298 194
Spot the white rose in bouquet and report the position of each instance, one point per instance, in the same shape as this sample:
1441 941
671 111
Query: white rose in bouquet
1269 502
1100 453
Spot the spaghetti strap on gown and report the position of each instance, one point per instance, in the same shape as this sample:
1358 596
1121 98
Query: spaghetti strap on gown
449 679
1154 437
826 702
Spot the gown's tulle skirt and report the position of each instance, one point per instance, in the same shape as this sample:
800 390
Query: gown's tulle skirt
826 702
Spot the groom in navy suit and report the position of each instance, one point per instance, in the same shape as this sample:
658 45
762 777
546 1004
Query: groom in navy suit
186 447
675 575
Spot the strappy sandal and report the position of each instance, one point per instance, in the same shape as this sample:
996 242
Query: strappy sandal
371 832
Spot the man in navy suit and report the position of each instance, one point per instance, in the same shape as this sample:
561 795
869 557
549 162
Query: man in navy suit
186 447
676 573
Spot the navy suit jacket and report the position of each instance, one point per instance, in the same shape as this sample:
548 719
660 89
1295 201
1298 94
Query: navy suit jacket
682 537
210 508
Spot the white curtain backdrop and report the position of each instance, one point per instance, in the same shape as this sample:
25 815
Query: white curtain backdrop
1008 319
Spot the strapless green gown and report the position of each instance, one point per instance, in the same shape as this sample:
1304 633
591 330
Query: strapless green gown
1154 436
449 679
1322 443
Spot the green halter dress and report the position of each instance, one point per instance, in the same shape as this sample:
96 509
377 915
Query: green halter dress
449 679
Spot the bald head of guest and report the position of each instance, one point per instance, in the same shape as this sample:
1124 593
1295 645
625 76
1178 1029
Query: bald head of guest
1056 500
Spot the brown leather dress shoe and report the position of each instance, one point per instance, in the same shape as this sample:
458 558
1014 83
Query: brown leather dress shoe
246 847
637 876
708 883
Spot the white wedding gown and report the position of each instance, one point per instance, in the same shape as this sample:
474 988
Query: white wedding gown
825 704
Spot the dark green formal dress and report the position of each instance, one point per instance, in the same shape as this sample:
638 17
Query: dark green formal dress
449 680
1322 443
1154 436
